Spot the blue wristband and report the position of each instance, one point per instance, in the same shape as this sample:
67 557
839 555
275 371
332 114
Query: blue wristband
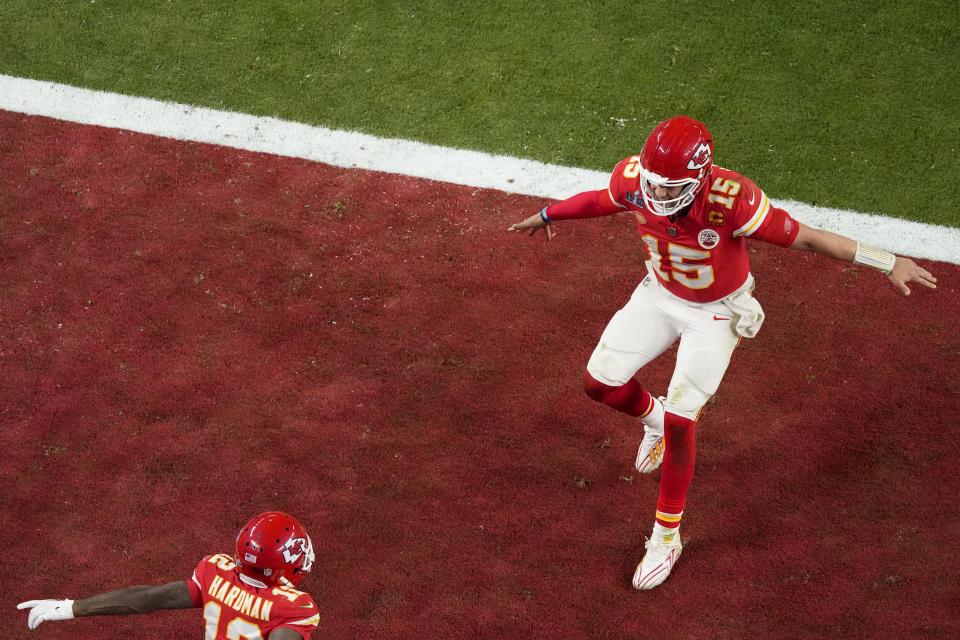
543 214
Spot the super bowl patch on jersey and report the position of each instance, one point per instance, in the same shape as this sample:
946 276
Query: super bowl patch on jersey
708 238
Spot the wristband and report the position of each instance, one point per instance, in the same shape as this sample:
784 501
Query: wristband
873 257
543 214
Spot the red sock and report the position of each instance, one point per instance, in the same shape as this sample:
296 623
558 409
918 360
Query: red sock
676 471
630 398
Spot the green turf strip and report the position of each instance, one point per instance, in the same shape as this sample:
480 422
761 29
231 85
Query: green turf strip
845 104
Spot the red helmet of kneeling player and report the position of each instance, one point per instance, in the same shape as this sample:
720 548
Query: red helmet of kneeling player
273 549
678 153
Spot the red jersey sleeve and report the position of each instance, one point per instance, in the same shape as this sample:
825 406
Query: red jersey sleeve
194 585
779 228
759 219
624 187
589 204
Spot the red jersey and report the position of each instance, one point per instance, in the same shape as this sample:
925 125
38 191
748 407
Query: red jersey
699 256
235 609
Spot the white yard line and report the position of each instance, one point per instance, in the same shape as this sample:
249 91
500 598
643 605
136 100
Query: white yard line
458 166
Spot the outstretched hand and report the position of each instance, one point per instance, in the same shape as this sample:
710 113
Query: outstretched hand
906 270
533 224
43 610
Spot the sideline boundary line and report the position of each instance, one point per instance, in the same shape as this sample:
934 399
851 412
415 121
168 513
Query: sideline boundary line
416 159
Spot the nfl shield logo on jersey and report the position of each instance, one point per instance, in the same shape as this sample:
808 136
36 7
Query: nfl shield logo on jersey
708 238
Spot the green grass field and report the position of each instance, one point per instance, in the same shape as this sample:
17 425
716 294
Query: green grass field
846 104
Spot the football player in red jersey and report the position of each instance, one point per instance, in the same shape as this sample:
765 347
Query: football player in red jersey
251 594
694 218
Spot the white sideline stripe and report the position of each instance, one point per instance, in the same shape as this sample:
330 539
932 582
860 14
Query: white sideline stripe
361 151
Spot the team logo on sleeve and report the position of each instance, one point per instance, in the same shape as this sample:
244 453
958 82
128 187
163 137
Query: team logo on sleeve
708 238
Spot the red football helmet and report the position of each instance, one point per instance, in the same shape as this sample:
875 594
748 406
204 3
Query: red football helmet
274 549
679 151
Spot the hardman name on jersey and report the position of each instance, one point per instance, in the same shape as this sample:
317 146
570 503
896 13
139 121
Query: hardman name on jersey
248 604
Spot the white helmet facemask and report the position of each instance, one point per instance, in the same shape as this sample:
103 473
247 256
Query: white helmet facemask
670 206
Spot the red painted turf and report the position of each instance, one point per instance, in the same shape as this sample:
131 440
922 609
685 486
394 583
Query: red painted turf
193 334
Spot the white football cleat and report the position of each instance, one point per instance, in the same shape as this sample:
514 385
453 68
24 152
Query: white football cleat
650 453
657 563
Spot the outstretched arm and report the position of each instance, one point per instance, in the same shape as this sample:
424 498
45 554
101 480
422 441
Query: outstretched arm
899 270
589 204
140 599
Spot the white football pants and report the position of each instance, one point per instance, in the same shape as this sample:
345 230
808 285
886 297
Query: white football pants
648 325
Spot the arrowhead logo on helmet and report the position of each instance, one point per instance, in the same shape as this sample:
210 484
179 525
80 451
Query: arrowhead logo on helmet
701 157
294 549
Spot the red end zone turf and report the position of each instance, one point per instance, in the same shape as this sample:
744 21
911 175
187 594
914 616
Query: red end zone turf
192 335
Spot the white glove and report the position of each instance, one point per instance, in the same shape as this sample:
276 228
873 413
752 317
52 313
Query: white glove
43 610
